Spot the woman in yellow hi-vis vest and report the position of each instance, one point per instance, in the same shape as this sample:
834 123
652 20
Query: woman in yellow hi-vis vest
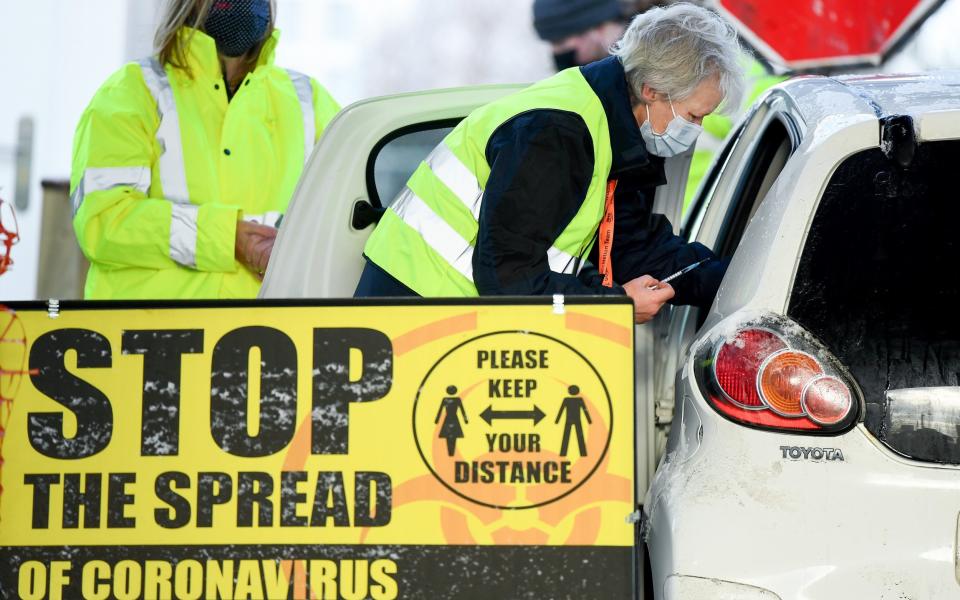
528 190
184 162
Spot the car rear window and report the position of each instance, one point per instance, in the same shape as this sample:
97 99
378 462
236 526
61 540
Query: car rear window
879 284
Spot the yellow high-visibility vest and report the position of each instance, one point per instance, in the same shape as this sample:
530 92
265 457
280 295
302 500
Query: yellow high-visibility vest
164 166
426 238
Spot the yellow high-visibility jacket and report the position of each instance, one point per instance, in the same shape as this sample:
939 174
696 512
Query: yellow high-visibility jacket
164 166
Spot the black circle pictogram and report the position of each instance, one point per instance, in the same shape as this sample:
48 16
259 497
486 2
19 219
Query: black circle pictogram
452 390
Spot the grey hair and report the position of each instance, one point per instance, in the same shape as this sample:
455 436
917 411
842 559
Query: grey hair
674 49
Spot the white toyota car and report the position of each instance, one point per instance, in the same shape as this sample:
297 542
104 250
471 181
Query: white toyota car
801 439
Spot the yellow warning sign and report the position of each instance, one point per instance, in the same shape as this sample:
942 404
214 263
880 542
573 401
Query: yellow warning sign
329 450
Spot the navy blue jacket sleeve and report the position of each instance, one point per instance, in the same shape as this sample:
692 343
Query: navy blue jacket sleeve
541 163
644 244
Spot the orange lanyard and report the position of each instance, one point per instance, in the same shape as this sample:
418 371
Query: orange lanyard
606 236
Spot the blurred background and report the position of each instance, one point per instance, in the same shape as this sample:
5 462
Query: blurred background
56 53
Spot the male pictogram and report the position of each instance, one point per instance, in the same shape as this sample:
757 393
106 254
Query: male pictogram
451 429
573 404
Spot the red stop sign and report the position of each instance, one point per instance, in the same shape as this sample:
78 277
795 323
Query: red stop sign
807 34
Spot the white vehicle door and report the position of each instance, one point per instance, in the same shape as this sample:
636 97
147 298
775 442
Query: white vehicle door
737 182
359 165
648 337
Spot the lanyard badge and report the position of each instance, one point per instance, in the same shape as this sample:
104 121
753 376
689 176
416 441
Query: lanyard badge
606 236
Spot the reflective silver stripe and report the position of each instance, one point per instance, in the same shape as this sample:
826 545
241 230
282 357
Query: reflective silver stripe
76 199
183 234
173 174
561 262
457 177
105 178
436 232
268 218
305 94
450 245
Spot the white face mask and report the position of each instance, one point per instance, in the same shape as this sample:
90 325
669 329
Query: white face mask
678 137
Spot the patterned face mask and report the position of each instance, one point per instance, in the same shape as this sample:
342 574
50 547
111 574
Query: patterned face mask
237 25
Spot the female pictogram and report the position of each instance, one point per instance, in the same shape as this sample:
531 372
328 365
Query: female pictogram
451 429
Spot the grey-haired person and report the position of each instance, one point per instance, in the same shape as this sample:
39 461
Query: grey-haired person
528 189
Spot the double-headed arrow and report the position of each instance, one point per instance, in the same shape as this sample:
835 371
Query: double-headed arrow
536 415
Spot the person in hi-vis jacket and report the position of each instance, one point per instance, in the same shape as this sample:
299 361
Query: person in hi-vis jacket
184 162
530 189
581 31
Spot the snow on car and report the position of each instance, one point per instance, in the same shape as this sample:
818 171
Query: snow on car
813 412
819 415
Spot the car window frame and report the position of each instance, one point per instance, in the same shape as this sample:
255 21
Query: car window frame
373 194
773 106
694 217
750 179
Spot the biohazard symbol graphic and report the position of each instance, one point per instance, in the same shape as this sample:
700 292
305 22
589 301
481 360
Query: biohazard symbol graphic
457 413
556 523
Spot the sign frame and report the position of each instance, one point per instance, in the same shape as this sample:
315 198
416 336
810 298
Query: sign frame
764 50
53 554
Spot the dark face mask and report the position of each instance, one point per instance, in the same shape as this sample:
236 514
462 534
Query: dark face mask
565 60
237 25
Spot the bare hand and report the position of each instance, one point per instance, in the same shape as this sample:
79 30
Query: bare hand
254 245
648 296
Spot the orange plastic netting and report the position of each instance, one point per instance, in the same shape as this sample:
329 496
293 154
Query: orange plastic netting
9 234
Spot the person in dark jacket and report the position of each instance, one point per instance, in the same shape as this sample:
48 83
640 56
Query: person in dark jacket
580 31
529 189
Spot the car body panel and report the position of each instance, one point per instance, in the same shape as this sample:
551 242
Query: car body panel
908 94
939 125
866 526
749 507
757 279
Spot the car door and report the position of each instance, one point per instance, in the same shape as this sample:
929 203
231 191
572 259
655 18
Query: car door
738 181
362 160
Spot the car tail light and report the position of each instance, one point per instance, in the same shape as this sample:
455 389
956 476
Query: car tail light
771 374
783 377
826 400
737 364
